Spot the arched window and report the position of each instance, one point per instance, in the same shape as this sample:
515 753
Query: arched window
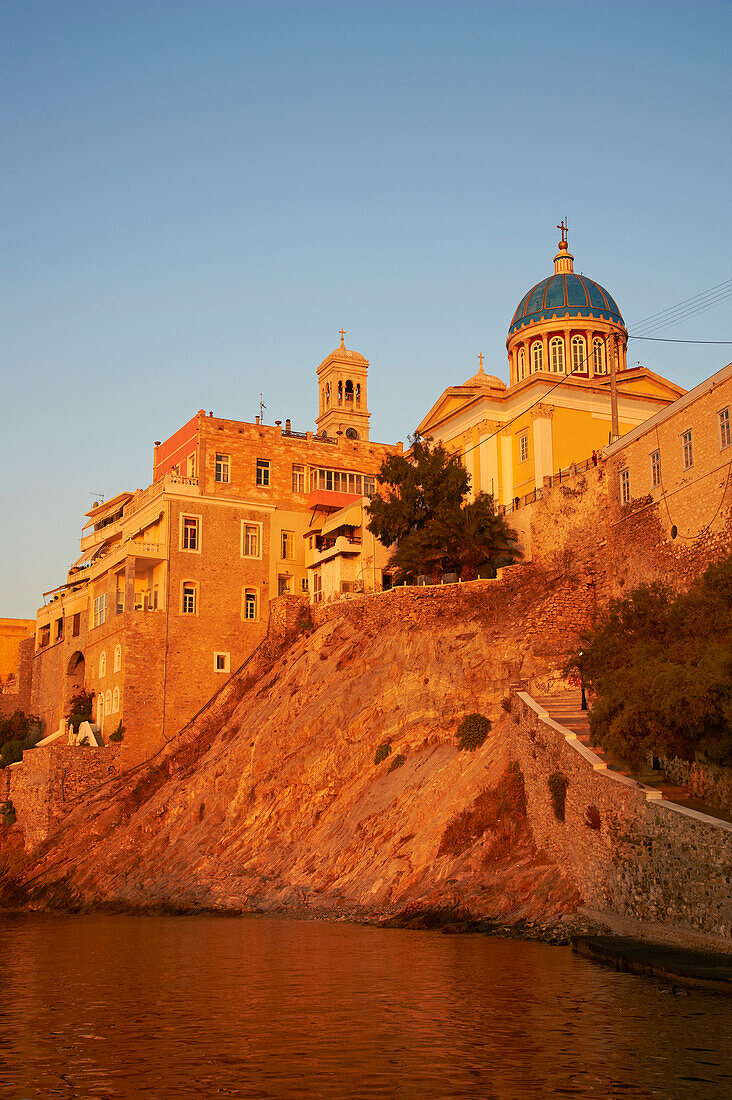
327 393
117 658
522 365
115 701
250 604
189 601
108 703
100 708
556 353
102 664
340 392
349 391
358 393
578 353
537 357
598 355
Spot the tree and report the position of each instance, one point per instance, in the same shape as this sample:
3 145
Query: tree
422 512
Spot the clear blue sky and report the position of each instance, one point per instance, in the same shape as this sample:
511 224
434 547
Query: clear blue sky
196 196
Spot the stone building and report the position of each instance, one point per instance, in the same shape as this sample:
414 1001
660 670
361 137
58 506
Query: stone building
14 678
172 589
566 329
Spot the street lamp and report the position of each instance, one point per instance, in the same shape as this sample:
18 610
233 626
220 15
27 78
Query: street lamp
583 701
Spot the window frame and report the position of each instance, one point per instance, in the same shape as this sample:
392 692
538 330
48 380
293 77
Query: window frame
287 542
225 668
523 447
578 342
198 520
725 428
299 477
243 541
598 355
625 486
102 664
556 354
193 591
250 598
537 357
263 473
115 700
655 460
222 465
687 449
99 610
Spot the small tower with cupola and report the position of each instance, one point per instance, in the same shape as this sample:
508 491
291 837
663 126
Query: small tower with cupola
342 394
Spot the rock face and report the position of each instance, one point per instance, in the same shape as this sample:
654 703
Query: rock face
272 798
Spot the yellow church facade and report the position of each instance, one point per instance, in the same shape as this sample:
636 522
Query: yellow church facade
568 381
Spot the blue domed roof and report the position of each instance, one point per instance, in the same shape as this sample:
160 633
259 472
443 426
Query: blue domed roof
565 295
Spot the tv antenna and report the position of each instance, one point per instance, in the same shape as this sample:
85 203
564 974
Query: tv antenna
262 407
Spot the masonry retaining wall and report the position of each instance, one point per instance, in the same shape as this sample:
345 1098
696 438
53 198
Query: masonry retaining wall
628 850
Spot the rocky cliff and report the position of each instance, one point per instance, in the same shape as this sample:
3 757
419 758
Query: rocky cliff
272 798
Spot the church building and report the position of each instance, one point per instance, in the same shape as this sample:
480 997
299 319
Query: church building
567 350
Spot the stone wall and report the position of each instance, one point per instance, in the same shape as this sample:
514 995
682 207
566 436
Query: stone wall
19 698
706 782
628 850
47 782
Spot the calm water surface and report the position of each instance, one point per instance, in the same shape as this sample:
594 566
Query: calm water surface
113 1006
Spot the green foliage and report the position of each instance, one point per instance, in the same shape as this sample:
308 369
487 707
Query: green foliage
18 727
472 731
381 753
118 734
660 666
558 784
423 514
80 708
397 762
7 813
11 752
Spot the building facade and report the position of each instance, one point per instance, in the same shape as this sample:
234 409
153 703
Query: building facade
172 589
566 329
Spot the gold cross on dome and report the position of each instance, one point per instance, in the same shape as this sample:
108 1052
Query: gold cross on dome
563 228
480 360
343 336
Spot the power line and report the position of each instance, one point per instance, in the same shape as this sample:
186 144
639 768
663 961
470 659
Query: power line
670 340
655 318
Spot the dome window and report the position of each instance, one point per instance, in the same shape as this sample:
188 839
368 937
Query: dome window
556 352
522 365
578 354
537 357
598 356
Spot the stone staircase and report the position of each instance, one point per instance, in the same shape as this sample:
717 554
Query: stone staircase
567 710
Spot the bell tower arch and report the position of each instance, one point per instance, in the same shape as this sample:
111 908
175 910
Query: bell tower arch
342 393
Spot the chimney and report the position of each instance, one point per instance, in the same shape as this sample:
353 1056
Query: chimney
288 426
256 419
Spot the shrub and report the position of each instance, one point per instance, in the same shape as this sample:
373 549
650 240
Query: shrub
80 708
397 762
11 752
118 734
7 813
472 732
18 727
501 810
592 817
381 753
558 784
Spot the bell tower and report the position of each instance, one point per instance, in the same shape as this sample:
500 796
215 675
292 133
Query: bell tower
342 394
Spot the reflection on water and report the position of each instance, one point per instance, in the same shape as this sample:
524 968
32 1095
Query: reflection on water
113 1006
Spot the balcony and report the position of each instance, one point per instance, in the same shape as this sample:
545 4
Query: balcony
106 531
342 545
326 499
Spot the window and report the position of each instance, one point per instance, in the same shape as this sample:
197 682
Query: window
304 584
369 487
725 436
192 465
556 352
100 609
283 585
655 468
76 625
59 629
115 701
222 468
522 365
117 658
250 603
108 702
578 353
221 662
45 635
190 533
317 588
537 355
351 433
102 664
262 472
598 355
288 545
524 447
687 449
175 470
250 540
624 487
189 602
298 479
100 708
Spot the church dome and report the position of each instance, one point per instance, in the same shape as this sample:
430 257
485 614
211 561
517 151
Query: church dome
565 294
489 381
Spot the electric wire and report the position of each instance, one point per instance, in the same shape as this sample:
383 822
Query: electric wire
722 289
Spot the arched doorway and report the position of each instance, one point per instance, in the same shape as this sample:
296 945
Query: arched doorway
75 671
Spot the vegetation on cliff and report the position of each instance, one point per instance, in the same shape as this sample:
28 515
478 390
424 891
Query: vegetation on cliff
660 665
18 731
424 513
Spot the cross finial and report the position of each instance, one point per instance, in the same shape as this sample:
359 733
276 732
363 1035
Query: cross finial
480 360
343 336
563 228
